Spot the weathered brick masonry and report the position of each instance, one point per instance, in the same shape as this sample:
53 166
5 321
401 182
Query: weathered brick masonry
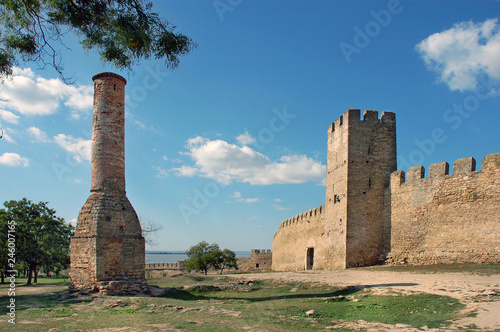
108 249
371 216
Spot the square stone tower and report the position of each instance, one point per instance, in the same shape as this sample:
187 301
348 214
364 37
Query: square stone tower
108 249
361 157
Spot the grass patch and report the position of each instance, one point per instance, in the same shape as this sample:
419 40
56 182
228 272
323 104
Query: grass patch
416 310
215 303
42 281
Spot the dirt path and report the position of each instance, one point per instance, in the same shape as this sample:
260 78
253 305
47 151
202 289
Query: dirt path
480 293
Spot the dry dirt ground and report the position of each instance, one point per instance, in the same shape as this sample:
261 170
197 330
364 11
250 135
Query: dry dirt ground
480 293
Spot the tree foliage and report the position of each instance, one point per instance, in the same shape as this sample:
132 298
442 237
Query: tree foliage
226 259
201 257
122 31
204 256
41 238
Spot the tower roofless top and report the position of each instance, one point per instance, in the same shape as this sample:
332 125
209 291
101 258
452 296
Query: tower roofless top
108 74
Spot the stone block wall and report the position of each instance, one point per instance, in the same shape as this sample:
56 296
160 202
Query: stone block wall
446 218
371 160
295 236
373 213
361 156
107 245
179 266
261 259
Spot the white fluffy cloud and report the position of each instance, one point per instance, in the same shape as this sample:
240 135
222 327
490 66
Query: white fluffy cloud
6 135
225 162
9 117
39 135
245 138
185 171
13 159
30 94
463 53
79 146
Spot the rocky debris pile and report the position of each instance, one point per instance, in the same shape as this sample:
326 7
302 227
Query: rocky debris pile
121 287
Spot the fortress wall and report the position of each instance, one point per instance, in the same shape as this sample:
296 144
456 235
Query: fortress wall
166 266
294 236
261 259
446 218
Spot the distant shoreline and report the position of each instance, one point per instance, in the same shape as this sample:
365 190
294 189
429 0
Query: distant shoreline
175 256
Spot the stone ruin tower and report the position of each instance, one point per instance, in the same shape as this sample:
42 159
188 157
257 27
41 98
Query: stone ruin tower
361 157
108 249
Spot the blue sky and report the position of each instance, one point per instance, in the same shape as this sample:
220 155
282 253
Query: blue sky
233 141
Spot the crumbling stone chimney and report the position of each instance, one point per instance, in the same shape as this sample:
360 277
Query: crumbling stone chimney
108 249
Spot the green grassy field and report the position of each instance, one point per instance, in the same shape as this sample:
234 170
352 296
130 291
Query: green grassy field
218 303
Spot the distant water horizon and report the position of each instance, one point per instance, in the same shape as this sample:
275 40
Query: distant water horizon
173 256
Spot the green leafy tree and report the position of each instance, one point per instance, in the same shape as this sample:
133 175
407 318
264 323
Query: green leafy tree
225 259
42 238
204 256
201 257
121 31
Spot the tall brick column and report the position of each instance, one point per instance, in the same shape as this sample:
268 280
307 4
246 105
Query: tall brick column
108 249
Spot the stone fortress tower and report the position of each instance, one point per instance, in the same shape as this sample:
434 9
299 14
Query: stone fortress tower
375 214
108 249
361 157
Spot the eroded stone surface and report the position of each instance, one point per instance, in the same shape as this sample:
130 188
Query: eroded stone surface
108 249
375 214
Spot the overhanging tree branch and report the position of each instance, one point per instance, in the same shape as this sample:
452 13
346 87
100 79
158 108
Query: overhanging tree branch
123 32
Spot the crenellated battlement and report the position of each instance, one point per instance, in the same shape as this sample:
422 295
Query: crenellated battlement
441 170
260 252
166 266
374 213
261 259
353 116
308 216
446 218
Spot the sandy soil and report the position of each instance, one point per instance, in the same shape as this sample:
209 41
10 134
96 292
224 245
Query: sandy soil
480 294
